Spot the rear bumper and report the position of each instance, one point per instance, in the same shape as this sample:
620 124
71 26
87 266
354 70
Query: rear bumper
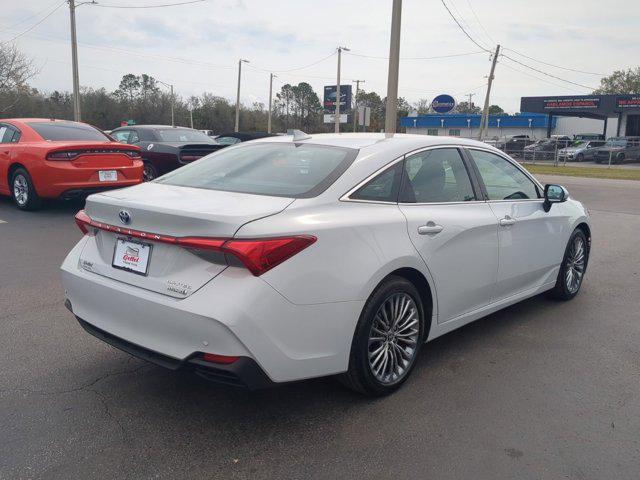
63 179
234 314
244 372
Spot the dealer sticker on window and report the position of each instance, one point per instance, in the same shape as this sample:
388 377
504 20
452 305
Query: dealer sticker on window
131 256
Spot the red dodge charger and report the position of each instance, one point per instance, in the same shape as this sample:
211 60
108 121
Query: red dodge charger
42 158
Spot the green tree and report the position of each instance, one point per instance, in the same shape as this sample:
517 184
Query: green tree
464 107
495 110
620 81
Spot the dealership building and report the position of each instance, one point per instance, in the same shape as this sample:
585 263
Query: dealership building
611 115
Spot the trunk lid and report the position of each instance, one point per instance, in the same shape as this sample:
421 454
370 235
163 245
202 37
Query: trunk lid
173 211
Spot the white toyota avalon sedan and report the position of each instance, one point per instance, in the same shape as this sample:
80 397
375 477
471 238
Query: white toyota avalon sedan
301 256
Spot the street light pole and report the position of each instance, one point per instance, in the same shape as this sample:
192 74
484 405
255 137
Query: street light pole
74 60
394 66
237 126
271 75
338 96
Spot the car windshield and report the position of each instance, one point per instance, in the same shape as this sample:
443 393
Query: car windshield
616 142
182 135
279 169
57 131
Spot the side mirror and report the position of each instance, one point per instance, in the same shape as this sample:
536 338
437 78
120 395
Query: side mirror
554 194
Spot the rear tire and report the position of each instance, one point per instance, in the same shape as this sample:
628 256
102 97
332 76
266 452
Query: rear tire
387 339
573 268
149 172
23 192
620 159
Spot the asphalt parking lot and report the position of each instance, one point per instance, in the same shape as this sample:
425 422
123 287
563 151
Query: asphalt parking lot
542 390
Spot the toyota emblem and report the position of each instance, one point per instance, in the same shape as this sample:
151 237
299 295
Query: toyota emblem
125 217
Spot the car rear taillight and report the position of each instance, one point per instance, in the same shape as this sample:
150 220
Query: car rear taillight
84 222
190 158
215 358
132 153
259 255
61 156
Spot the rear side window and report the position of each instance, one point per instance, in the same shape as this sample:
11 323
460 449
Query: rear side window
436 176
279 169
382 188
65 131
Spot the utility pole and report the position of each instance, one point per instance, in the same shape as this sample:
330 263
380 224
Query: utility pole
338 96
271 75
237 127
74 60
355 109
484 121
191 117
471 95
394 66
173 123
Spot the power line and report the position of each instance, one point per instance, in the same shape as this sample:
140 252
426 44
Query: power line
147 6
462 28
417 58
35 24
555 66
547 74
271 70
29 17
510 67
464 22
480 23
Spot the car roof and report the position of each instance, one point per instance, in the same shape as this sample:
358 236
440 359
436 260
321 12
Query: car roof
156 127
393 145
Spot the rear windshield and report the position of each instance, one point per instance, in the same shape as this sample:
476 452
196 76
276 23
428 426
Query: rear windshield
183 135
67 131
279 169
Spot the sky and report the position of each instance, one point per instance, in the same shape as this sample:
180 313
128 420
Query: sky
196 47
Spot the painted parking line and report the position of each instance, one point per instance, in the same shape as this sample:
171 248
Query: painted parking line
2 221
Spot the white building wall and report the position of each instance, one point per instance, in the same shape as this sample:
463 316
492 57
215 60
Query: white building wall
571 126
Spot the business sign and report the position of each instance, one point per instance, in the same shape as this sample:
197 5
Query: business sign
329 103
579 103
443 103
331 118
630 101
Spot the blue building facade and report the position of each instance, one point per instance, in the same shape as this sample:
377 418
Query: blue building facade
467 125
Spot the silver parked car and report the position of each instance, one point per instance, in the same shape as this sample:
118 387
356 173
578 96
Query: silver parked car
580 150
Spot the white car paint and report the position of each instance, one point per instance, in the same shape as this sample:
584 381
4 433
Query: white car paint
297 320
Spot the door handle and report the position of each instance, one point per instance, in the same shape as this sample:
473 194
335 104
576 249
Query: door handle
507 221
430 229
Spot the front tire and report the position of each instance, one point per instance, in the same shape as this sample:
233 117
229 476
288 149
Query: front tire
579 158
387 339
23 192
573 268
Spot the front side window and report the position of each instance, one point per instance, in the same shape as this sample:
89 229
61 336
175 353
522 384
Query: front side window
502 179
121 136
182 135
3 133
227 140
280 169
57 131
436 176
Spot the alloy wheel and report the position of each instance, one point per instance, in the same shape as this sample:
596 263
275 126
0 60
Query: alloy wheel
20 190
574 270
148 173
393 339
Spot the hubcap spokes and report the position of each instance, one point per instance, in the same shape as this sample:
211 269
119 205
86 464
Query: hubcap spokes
575 265
20 190
393 338
147 174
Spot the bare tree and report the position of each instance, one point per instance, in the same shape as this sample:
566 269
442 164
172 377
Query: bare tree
15 70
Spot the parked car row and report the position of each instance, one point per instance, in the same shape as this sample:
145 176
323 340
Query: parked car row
48 158
584 147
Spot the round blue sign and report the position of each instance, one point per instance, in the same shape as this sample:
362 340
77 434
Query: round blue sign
443 103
